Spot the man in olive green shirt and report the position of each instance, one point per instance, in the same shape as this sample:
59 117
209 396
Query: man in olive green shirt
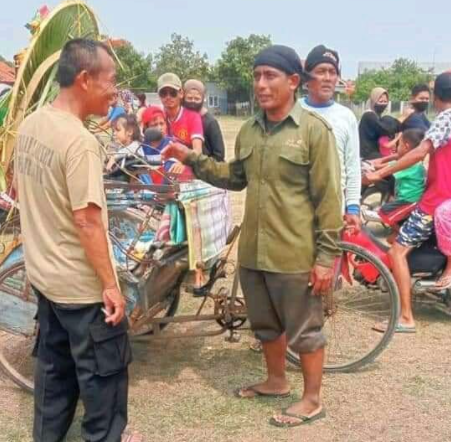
286 158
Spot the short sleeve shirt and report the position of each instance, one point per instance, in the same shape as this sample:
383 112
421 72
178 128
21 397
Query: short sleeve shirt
186 127
410 183
417 121
115 113
438 188
440 131
58 165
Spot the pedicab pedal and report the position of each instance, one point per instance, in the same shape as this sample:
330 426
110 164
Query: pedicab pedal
234 337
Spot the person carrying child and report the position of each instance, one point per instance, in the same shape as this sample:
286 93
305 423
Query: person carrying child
419 226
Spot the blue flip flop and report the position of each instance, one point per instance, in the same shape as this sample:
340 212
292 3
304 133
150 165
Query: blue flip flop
400 328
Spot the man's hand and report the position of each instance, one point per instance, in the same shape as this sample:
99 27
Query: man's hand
373 177
353 224
177 168
175 150
114 305
377 163
407 112
321 280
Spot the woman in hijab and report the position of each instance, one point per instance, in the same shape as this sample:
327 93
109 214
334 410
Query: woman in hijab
194 99
372 126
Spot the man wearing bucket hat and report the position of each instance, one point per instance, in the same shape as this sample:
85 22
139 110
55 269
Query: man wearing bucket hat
286 158
323 65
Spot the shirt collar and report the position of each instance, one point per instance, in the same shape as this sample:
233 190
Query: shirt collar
294 115
179 115
318 106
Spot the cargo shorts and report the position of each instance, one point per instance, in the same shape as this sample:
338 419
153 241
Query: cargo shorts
280 303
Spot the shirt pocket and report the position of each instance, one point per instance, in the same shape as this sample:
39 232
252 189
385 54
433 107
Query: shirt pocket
293 162
246 155
111 347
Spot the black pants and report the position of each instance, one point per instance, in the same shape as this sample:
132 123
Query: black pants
80 356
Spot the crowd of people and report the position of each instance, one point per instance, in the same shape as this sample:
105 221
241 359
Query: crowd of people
147 130
300 161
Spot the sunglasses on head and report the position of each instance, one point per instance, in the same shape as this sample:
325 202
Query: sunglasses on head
168 91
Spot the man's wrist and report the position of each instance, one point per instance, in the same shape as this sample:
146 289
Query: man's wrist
353 209
110 283
192 158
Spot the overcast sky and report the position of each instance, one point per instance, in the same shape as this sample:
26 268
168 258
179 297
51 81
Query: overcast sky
361 30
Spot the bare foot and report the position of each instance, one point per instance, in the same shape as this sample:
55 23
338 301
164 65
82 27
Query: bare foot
305 408
444 280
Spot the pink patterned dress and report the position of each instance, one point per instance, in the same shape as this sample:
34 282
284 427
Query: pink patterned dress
442 218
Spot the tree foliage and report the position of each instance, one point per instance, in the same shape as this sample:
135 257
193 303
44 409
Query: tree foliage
234 68
134 70
398 80
180 57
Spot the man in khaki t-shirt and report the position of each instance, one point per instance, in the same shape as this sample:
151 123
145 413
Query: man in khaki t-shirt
83 348
58 165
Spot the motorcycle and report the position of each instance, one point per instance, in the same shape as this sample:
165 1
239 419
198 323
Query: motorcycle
426 265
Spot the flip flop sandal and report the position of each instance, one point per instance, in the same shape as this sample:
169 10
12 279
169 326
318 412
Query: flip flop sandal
301 419
400 328
239 393
256 346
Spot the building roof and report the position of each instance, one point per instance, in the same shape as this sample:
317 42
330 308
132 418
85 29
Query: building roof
7 74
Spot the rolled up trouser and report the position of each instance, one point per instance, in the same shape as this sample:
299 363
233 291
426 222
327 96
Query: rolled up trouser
280 303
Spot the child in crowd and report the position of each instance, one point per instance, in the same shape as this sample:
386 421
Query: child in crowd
154 121
388 143
155 140
127 135
409 183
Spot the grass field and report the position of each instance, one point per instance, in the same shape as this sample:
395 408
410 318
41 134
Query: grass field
181 391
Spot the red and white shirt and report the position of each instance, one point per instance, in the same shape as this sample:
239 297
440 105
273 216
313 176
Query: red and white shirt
186 127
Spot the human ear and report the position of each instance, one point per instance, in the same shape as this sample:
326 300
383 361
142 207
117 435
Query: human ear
294 81
82 80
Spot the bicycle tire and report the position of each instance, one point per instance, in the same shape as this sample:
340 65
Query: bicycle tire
6 365
393 297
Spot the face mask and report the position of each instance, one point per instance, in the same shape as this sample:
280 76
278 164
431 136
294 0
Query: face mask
379 108
420 106
193 106
152 136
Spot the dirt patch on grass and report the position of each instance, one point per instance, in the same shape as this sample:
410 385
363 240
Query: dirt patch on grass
183 390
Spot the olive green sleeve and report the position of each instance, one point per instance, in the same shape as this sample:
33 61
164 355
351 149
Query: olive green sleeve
326 193
230 175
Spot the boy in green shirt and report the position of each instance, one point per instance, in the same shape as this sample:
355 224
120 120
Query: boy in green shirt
410 182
